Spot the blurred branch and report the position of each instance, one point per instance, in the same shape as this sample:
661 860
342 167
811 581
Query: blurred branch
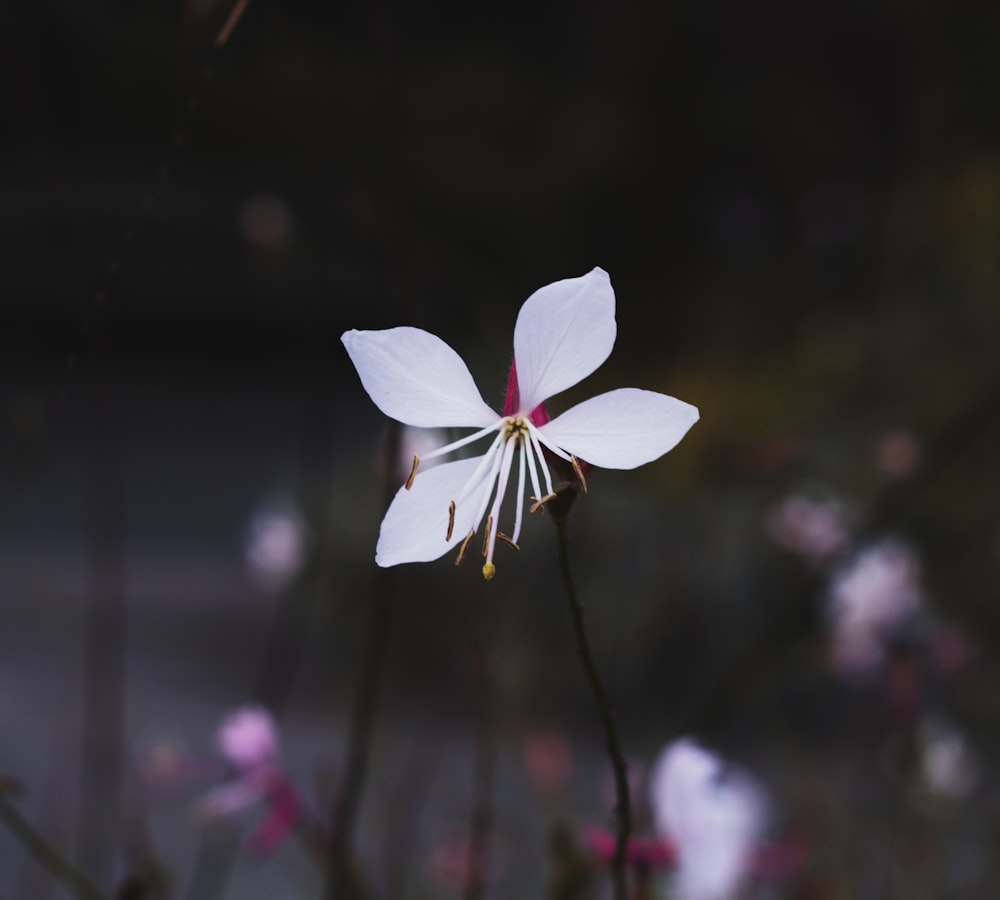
239 7
47 855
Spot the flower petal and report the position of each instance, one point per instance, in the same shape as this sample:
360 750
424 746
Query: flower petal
415 526
621 429
564 331
416 378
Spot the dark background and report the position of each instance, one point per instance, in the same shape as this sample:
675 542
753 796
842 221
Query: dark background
799 207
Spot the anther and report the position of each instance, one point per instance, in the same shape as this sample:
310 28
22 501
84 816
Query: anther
489 570
451 520
539 504
486 537
579 472
501 536
413 472
462 549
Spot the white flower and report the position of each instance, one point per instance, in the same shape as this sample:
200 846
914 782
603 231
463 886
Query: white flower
564 331
713 814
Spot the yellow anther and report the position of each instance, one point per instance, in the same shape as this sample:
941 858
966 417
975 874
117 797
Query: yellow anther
413 472
451 520
579 472
489 570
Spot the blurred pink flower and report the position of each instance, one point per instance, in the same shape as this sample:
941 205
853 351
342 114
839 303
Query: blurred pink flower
814 529
712 814
247 739
869 597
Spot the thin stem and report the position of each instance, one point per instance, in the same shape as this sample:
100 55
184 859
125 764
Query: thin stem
47 855
623 812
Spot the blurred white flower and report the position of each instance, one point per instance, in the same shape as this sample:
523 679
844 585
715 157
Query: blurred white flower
948 766
870 596
276 546
713 814
814 529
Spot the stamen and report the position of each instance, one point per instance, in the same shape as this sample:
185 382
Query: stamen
451 520
508 455
501 536
476 477
489 481
519 498
533 471
540 504
413 472
579 472
486 537
489 570
541 459
461 442
462 549
535 433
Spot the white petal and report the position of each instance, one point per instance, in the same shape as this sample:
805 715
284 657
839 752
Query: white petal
416 378
564 331
622 429
415 526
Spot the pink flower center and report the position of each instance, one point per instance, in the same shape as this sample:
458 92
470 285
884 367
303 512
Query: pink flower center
512 402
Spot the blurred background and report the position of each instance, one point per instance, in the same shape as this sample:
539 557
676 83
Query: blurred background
799 208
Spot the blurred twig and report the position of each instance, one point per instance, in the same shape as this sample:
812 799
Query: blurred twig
623 812
47 855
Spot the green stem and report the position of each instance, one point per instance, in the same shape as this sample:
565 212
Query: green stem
47 855
623 813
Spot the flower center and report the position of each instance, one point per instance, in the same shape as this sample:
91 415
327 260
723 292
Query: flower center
512 435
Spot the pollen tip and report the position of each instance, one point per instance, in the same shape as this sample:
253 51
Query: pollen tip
413 472
579 472
540 504
489 570
507 540
486 536
462 549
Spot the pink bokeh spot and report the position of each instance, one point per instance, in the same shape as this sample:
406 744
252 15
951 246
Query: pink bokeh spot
648 853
